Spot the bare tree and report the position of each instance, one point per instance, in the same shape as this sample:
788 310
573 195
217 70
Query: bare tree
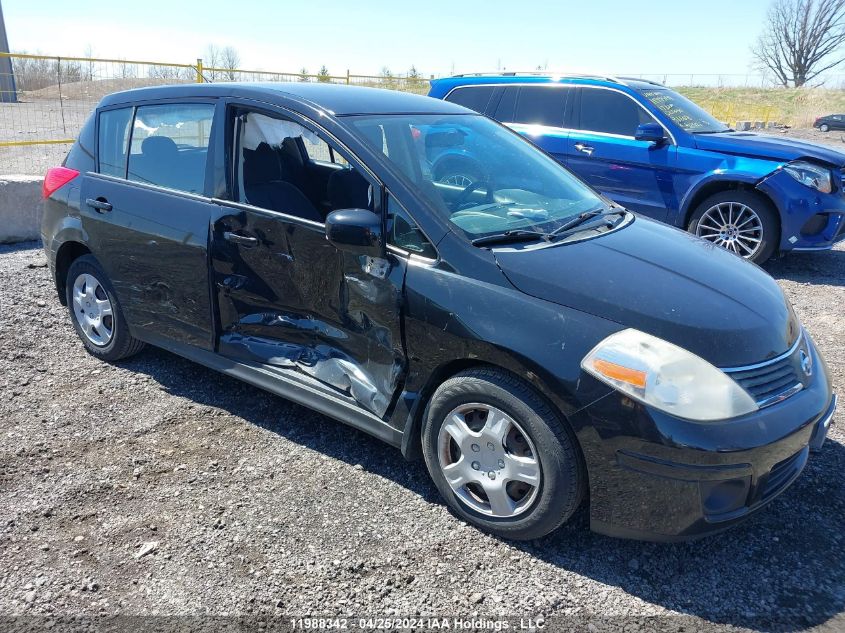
211 59
230 60
801 40
303 74
89 65
33 74
126 70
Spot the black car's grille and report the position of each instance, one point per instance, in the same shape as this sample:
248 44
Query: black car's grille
769 383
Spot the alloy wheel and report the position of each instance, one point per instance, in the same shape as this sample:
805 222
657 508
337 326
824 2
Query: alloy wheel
489 461
93 310
459 180
733 226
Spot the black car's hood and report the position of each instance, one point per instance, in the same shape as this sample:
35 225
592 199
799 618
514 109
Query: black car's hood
767 146
668 283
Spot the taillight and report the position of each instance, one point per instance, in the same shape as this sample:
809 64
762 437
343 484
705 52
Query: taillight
57 177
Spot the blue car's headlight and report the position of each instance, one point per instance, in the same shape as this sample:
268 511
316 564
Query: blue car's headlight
810 174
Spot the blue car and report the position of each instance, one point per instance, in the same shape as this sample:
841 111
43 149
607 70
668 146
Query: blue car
657 153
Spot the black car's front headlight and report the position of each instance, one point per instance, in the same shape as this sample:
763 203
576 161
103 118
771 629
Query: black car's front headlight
667 377
810 174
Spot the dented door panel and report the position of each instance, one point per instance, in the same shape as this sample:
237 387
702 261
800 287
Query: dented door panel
147 227
293 301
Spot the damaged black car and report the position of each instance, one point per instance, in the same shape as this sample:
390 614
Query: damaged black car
537 345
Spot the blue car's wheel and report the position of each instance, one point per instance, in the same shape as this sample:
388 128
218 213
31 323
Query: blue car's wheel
741 222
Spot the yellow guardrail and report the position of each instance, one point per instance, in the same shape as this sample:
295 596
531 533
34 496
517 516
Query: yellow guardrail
54 81
60 141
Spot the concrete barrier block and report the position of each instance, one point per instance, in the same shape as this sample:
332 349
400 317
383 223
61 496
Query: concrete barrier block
742 126
20 208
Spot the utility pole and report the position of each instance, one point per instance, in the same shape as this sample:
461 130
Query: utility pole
8 93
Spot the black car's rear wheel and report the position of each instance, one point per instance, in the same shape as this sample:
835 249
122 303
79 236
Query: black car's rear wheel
500 456
739 221
95 312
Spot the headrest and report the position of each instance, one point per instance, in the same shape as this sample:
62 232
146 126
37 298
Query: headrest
261 165
158 146
347 189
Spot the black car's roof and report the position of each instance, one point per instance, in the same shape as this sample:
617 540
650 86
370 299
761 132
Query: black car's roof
339 99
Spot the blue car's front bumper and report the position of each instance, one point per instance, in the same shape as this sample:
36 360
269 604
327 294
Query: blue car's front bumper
810 220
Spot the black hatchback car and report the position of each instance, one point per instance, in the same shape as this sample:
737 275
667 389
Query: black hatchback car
534 342
830 122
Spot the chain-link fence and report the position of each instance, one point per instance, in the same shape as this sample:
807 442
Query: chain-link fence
45 100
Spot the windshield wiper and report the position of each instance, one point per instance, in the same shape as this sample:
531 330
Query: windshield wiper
514 235
579 220
525 235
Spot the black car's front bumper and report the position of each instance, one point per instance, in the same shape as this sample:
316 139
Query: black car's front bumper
657 477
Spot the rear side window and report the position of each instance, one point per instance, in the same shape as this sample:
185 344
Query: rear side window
611 112
472 97
113 141
540 105
82 152
170 144
504 111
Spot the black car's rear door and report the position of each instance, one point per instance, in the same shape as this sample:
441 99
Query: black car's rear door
147 217
288 299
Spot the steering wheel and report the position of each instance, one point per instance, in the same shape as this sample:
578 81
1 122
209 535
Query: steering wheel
463 197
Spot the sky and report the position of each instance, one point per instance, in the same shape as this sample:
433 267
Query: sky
437 37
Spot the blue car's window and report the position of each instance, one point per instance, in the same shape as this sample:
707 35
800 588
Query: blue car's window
484 178
683 112
541 105
611 112
472 97
505 110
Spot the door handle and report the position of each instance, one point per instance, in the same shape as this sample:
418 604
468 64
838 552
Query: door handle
101 206
243 240
587 149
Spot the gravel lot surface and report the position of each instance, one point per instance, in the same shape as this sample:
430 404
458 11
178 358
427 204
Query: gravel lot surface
157 487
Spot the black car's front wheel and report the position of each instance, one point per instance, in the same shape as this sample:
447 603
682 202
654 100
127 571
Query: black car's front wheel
500 456
742 222
824 127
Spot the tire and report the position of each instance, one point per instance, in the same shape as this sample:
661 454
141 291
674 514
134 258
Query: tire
736 208
109 340
548 442
824 127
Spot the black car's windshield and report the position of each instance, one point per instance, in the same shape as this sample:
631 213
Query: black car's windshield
683 112
482 177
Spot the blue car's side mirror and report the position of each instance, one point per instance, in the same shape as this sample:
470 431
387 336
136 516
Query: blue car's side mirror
651 132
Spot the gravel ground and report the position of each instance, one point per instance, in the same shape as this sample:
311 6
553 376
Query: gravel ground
157 487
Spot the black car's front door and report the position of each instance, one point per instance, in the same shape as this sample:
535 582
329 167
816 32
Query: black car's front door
287 298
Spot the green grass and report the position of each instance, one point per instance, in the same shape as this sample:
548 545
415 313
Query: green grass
797 107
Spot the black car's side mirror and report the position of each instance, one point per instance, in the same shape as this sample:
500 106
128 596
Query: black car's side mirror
651 132
355 230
